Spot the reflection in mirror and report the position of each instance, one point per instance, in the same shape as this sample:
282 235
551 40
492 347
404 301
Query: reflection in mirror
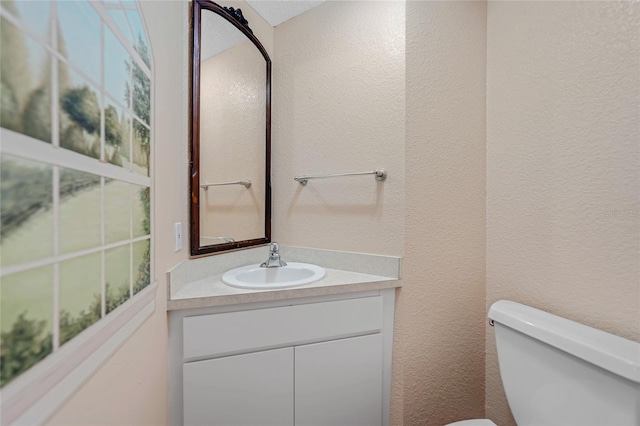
230 132
232 105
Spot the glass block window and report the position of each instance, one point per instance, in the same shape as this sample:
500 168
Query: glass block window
75 169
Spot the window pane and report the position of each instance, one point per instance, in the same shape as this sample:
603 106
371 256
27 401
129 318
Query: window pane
141 265
26 216
141 94
116 68
80 300
141 148
79 114
79 215
117 211
141 44
118 276
100 110
26 84
120 19
117 127
141 212
26 319
79 38
35 14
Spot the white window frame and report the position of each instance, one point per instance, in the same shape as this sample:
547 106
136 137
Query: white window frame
35 395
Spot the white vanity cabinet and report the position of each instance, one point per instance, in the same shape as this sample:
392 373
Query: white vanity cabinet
322 360
249 389
339 382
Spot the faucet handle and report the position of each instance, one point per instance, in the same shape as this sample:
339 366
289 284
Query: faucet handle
274 257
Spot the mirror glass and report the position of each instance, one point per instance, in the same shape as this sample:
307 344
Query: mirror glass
230 132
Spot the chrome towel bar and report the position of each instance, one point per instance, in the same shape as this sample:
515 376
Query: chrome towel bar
246 183
379 174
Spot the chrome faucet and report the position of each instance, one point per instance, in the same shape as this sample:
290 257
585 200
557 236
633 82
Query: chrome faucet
274 260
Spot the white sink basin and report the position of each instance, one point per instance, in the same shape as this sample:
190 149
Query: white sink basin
255 277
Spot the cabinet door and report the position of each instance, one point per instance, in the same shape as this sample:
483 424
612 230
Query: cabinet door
339 382
250 389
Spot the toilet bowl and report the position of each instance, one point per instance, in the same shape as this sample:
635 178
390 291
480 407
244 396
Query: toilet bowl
557 372
473 422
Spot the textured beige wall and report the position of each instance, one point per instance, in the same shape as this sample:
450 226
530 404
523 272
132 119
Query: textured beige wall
563 175
439 351
232 142
338 106
131 387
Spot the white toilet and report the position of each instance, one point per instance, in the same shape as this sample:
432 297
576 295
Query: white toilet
559 372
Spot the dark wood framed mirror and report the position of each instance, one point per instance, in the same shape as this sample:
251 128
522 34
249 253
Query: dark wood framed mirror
230 133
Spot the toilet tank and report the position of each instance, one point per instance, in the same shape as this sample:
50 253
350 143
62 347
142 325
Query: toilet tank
559 372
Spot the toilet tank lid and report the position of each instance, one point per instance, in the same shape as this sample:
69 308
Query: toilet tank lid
613 353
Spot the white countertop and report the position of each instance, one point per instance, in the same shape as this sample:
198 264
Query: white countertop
197 284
